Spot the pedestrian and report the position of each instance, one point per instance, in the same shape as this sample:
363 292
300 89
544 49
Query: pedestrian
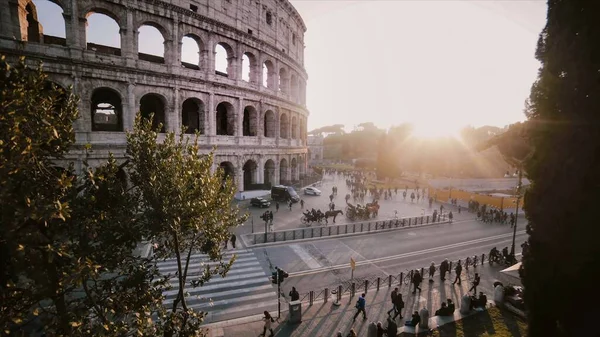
475 283
271 217
459 209
392 328
417 281
290 205
444 268
399 304
380 330
333 206
268 321
302 204
458 270
233 238
331 198
415 319
294 295
360 307
276 206
431 271
352 333
339 334
393 297
450 216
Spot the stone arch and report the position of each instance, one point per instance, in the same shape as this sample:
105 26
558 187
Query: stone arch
294 127
225 119
192 115
154 104
283 80
190 52
270 124
110 43
249 121
269 75
228 170
284 124
49 27
294 87
106 110
269 173
152 52
249 73
283 172
224 62
250 169
294 166
31 29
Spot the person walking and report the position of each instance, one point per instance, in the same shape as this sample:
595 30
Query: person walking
302 204
271 217
268 321
475 283
360 307
431 271
276 206
393 297
352 333
294 295
399 304
290 203
232 239
417 281
458 270
450 216
392 328
444 268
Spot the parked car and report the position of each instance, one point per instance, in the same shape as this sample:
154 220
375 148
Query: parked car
260 202
312 191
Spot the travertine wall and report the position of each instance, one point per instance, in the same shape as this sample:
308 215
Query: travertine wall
265 127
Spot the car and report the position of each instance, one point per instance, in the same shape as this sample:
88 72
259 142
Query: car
312 191
260 202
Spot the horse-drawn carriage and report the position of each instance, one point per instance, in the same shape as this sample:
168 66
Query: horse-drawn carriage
359 212
310 216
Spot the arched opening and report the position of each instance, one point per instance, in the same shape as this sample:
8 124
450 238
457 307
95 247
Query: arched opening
302 167
249 68
268 74
106 110
192 115
190 52
153 104
269 174
102 34
249 174
294 87
294 165
284 125
34 28
283 172
223 59
295 128
151 44
269 124
249 121
228 170
283 81
50 22
225 119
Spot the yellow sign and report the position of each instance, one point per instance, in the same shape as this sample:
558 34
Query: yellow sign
352 264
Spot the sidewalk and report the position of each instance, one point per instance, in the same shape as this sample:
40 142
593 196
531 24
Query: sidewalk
325 319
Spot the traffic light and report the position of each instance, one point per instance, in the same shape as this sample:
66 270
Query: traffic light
278 275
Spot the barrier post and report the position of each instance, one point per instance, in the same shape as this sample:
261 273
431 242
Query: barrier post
366 286
378 283
389 281
339 293
326 295
311 297
352 289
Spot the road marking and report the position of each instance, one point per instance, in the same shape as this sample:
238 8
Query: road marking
405 255
412 234
306 258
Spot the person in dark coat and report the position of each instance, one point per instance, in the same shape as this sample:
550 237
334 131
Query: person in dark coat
417 281
393 298
399 304
458 270
444 267
415 319
232 239
294 295
392 328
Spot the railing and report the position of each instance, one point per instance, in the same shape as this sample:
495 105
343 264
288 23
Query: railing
403 281
343 229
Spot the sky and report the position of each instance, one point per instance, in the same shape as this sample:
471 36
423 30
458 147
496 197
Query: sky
439 65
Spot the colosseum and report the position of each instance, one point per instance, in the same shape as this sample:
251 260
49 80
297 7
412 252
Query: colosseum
243 88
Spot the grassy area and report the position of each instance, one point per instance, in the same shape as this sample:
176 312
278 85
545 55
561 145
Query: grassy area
493 322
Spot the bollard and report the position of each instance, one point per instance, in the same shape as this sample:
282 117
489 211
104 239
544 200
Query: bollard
482 258
311 297
352 289
428 219
422 272
326 295
339 293
421 219
450 267
389 281
401 278
378 282
366 286
409 221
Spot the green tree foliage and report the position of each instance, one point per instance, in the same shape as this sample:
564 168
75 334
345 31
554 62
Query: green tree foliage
562 202
65 240
187 210
513 144
330 129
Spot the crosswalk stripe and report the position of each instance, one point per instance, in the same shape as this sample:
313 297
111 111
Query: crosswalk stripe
206 258
239 308
209 287
216 278
228 279
173 266
240 291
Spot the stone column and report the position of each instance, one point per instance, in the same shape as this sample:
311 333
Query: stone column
173 113
175 45
276 180
129 41
259 71
71 28
84 122
239 126
239 178
81 27
210 58
129 109
260 170
210 115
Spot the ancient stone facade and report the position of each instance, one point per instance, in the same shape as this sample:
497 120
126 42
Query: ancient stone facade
315 149
257 121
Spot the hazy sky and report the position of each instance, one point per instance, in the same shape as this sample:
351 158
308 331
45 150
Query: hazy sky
437 64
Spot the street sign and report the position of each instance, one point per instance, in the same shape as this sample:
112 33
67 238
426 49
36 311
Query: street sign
352 264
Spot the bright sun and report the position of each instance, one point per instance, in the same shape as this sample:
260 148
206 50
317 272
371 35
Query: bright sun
432 130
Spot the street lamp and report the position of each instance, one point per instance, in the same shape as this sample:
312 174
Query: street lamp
512 250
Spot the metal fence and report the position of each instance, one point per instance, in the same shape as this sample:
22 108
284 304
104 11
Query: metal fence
403 281
342 229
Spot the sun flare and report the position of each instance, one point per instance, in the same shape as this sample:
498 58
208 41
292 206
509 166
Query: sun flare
435 130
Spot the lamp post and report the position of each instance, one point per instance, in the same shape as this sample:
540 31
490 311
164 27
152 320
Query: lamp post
512 250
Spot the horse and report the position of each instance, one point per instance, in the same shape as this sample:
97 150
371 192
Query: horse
334 214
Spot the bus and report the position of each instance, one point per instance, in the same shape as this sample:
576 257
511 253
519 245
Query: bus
284 193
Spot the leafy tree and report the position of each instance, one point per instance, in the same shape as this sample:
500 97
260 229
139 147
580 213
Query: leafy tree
561 204
65 240
337 129
186 208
